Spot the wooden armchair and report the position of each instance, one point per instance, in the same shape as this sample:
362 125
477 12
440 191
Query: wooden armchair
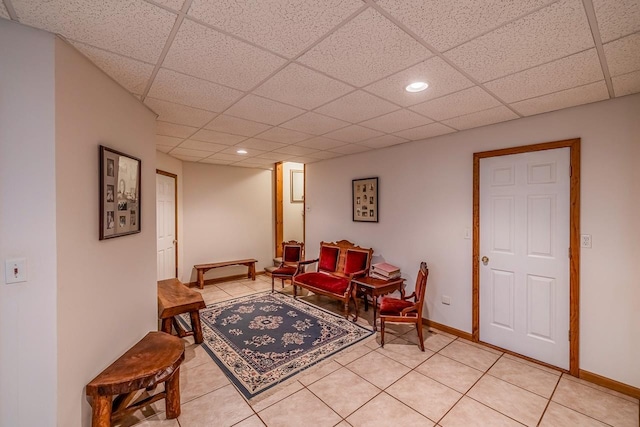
401 310
292 254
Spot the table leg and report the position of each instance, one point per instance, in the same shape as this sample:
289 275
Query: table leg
196 326
101 411
354 296
201 278
375 311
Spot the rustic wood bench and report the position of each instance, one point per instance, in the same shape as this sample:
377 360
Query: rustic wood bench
203 268
153 360
175 298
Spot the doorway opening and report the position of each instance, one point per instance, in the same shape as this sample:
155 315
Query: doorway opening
289 204
166 224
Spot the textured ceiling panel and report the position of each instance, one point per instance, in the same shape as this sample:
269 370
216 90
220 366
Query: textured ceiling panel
191 91
457 104
482 118
252 152
617 18
202 146
230 124
565 73
133 75
315 124
320 143
171 129
626 84
286 136
3 11
556 31
445 24
191 153
173 4
295 150
397 121
186 158
288 84
283 26
383 141
366 49
353 133
163 148
357 106
442 78
323 155
180 114
210 160
351 149
217 137
275 157
263 110
424 132
261 144
169 141
567 98
202 52
223 157
132 28
623 55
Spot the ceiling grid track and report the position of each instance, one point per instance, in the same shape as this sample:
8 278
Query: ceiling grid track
593 24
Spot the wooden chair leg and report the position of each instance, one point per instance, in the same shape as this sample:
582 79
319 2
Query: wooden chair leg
419 329
382 332
166 324
172 398
272 284
196 326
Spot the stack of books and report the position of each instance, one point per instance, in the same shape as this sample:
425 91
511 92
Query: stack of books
383 270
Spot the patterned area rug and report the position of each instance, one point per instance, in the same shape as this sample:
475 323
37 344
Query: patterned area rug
263 339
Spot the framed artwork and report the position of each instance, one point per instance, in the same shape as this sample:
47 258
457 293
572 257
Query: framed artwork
297 186
365 199
119 194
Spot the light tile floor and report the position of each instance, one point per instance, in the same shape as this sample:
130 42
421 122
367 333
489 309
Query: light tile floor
453 383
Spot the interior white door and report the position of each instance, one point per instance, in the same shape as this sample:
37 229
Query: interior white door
524 251
166 226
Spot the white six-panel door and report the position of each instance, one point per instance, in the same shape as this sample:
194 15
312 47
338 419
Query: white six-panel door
165 222
524 252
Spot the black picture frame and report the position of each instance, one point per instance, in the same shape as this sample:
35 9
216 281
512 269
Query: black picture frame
120 179
365 200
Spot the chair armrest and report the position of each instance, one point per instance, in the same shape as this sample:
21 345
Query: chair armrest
356 274
308 261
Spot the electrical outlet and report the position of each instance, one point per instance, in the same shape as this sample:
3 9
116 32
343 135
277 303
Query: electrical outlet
446 300
585 240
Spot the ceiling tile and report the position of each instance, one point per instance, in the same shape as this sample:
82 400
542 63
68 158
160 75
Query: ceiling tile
163 148
323 155
260 144
482 118
572 71
286 27
233 152
135 29
222 157
295 150
263 110
617 18
133 75
320 143
567 98
353 133
230 124
396 121
284 135
3 11
173 4
257 161
366 49
445 24
304 160
351 149
384 141
357 106
442 78
179 114
623 55
191 153
551 33
186 90
424 132
626 84
205 53
217 137
275 157
294 80
213 161
171 129
202 146
246 164
457 104
186 158
169 141
315 124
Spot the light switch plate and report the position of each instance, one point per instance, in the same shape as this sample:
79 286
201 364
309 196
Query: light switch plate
15 270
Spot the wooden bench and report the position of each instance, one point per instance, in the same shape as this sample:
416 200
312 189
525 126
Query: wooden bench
203 268
338 263
175 298
153 360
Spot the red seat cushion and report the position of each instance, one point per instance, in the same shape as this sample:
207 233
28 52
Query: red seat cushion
393 306
355 261
284 271
328 258
326 282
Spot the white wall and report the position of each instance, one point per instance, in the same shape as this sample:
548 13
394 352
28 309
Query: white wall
27 227
228 214
170 164
293 221
426 203
106 289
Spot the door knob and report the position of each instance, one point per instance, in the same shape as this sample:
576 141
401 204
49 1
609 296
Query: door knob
175 241
485 260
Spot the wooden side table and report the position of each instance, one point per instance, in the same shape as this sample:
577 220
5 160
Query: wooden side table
374 288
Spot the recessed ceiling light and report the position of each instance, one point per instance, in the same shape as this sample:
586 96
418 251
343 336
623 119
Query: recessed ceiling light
416 87
241 151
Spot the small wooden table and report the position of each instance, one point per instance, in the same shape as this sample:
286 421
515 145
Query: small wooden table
174 298
374 288
203 268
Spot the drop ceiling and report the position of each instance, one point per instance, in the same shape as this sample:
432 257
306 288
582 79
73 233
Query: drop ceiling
309 80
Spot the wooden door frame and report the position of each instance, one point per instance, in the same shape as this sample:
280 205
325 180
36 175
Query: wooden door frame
279 205
574 239
175 216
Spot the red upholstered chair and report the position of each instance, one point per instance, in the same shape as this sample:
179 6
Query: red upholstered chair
292 254
402 310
